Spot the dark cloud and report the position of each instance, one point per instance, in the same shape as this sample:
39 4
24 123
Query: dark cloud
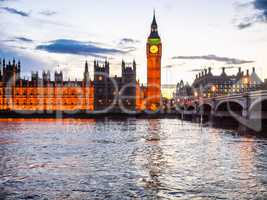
244 25
261 5
196 70
48 12
201 69
29 62
260 17
18 39
128 44
24 39
229 67
65 46
15 11
8 40
124 41
168 66
174 65
233 61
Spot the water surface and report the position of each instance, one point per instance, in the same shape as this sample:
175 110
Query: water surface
128 159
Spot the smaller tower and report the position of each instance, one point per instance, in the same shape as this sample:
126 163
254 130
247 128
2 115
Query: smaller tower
134 66
18 70
46 76
1 67
34 78
86 77
58 77
101 82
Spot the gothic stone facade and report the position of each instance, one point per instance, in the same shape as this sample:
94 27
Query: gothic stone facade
43 94
115 93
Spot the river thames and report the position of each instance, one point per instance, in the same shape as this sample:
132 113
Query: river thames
129 159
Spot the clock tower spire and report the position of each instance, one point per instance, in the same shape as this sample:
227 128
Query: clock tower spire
154 52
154 28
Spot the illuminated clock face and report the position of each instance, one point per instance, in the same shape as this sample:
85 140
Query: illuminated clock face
154 49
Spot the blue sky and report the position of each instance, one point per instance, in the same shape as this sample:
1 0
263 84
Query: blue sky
63 34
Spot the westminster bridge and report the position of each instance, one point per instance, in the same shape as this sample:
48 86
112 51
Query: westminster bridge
249 108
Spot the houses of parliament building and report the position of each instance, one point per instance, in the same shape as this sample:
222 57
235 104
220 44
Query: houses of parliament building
44 94
103 93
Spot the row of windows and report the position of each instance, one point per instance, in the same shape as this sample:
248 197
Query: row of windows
50 103
224 91
47 96
48 108
35 92
228 88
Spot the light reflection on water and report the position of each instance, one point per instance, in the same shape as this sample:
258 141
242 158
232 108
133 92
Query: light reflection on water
128 159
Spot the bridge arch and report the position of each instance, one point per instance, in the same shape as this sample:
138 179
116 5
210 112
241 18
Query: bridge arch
259 103
235 105
205 108
191 108
206 103
258 113
232 101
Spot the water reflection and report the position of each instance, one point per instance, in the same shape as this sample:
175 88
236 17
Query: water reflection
154 160
128 159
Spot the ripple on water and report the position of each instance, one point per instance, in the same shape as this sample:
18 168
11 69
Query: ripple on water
129 159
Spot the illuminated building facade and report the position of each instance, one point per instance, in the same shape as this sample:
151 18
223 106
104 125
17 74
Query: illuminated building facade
104 92
207 85
154 52
43 94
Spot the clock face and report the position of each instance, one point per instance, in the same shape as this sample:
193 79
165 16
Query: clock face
154 49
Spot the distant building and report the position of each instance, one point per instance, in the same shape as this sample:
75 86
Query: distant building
183 90
207 85
183 93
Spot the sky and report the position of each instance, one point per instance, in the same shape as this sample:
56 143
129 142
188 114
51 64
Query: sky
62 35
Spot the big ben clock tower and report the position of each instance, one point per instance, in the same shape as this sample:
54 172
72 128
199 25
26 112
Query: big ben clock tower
154 52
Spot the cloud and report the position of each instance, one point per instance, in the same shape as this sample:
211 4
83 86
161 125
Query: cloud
168 66
196 70
244 25
24 39
48 12
174 65
15 11
232 61
128 44
66 46
17 39
125 41
30 62
260 6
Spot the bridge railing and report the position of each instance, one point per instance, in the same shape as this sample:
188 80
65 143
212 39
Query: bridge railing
257 93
